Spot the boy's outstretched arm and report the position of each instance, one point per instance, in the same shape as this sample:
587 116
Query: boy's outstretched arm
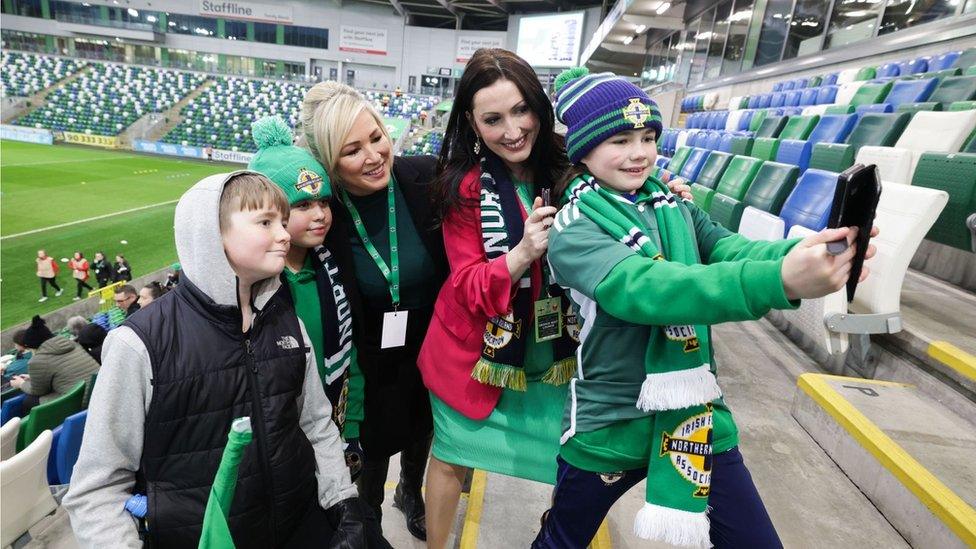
111 449
316 421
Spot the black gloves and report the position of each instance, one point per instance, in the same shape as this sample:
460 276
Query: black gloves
355 526
355 458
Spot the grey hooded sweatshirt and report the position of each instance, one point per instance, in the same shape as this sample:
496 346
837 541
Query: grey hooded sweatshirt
111 449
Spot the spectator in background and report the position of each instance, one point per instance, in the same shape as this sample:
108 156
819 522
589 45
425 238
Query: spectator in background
79 270
47 271
104 273
127 299
122 270
16 364
150 292
75 324
173 278
91 338
209 152
57 364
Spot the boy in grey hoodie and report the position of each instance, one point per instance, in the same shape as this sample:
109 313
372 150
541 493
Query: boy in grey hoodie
222 345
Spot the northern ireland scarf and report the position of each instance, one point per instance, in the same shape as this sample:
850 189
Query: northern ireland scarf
502 362
679 385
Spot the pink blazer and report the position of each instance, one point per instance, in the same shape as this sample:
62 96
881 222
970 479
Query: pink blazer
476 290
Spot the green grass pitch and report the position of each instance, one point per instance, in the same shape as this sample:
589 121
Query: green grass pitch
42 187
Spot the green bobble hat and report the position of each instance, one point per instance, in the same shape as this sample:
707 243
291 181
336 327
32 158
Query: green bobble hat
595 107
292 168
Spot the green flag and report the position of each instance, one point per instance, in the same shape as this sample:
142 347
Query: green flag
216 532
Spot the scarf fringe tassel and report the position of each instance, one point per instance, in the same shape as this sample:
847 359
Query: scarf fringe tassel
561 372
499 375
678 389
673 526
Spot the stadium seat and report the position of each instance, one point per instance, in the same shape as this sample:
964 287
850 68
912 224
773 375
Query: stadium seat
927 132
11 408
702 196
954 173
8 438
846 76
734 103
732 122
832 128
725 144
915 66
846 92
754 101
818 110
809 97
866 73
872 129
966 59
738 176
955 88
904 215
756 224
765 148
713 168
778 99
839 109
771 126
910 91
69 445
25 493
810 201
764 100
944 61
888 70
829 79
712 142
696 158
758 117
746 120
875 107
769 189
49 415
962 106
795 152
787 85
679 158
793 98
25 74
870 93
913 108
741 146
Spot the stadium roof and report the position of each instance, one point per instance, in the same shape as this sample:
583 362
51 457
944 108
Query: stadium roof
474 14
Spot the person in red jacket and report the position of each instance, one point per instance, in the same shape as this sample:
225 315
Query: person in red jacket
47 271
79 271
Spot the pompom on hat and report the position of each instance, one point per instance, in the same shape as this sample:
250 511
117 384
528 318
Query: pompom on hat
292 168
595 107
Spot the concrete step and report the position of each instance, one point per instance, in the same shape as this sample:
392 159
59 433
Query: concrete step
912 456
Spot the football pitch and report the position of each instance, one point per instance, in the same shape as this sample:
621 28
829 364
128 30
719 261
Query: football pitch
64 199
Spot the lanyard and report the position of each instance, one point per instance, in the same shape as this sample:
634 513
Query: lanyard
392 275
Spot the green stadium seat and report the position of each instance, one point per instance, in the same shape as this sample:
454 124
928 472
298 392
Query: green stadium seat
726 211
913 108
765 148
742 146
49 415
738 176
678 159
955 88
773 184
702 196
954 173
771 126
962 106
799 127
839 109
869 94
757 119
966 59
715 165
971 71
881 129
814 81
866 73
970 146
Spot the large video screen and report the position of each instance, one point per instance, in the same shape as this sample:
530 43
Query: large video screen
551 40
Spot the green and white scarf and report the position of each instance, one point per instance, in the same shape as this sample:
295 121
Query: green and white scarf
502 362
679 385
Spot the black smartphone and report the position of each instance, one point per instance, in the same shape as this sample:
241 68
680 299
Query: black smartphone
855 205
546 193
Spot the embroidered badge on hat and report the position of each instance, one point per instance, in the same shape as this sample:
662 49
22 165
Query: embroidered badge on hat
309 182
636 113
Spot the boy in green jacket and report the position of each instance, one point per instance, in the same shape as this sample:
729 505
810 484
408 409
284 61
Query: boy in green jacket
311 277
648 274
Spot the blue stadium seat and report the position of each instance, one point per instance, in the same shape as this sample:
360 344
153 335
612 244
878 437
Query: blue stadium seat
795 152
792 111
827 94
12 407
833 128
69 445
829 79
725 143
915 66
911 91
777 99
787 85
888 70
745 120
754 102
713 141
721 119
809 97
694 163
764 100
662 162
944 61
809 203
876 107
793 98
777 86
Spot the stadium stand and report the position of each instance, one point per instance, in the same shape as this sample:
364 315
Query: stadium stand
405 106
110 97
430 143
24 74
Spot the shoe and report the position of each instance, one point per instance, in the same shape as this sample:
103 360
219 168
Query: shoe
42 300
58 293
76 298
412 507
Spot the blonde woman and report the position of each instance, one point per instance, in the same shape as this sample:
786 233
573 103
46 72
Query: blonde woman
396 254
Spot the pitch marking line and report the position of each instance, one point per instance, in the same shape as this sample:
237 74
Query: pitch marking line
96 218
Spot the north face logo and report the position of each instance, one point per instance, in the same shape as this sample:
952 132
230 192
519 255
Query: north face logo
287 342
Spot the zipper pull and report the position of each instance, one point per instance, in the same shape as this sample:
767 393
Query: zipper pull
250 355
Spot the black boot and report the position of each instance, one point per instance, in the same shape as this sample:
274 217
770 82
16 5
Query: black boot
407 498
412 506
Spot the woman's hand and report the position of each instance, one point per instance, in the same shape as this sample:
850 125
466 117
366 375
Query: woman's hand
809 271
535 239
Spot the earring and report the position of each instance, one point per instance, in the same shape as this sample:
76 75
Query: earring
477 146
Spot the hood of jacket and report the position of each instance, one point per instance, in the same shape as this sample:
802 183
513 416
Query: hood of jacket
57 345
201 250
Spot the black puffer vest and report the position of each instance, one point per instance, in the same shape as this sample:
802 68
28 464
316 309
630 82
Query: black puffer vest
206 373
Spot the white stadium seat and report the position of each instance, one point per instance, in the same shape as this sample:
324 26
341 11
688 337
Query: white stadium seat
681 140
734 103
818 110
895 166
8 438
25 495
847 75
759 225
732 122
847 91
711 100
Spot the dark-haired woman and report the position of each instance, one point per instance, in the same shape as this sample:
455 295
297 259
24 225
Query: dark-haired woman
496 369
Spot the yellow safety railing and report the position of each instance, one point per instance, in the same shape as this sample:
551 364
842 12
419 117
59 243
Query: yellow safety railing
106 295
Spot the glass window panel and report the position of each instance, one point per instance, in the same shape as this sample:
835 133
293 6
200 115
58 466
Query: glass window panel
902 14
970 6
852 21
735 45
775 26
179 23
70 11
685 50
26 8
265 32
235 30
717 41
701 46
308 37
806 28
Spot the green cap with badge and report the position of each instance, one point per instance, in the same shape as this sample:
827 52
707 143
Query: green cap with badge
292 168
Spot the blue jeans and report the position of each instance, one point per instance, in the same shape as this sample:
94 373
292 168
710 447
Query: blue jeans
582 500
